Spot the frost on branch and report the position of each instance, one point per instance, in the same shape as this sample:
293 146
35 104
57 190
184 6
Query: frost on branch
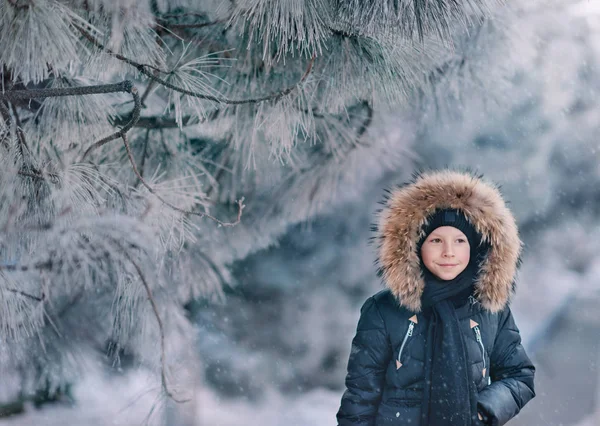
413 18
295 27
24 36
134 133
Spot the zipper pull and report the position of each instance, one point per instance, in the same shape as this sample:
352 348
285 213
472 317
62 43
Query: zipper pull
410 329
477 333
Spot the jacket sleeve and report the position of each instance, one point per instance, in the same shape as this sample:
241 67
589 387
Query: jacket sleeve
512 374
369 357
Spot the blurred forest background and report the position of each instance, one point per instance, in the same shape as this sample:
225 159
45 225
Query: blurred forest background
128 285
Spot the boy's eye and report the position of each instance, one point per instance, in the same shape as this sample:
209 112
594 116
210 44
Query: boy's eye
439 240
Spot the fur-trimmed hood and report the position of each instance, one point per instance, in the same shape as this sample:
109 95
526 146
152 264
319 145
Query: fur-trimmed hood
407 209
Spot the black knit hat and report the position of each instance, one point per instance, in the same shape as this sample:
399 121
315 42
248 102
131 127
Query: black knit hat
456 219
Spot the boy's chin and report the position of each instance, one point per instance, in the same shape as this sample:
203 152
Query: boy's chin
447 276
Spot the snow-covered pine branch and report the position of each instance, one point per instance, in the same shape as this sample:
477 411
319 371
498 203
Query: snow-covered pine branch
132 130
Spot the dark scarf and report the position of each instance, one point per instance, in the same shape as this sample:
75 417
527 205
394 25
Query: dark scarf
449 398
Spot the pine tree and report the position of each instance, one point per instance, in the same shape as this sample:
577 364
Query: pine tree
147 144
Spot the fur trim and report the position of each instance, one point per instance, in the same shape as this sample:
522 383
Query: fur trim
406 211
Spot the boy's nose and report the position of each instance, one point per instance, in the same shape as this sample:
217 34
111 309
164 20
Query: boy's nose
448 252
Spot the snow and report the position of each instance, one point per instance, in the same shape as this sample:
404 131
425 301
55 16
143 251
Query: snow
129 399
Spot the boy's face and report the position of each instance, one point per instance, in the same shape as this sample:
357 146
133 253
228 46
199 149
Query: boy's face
446 252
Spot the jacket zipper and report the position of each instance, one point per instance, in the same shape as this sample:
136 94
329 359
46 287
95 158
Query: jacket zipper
480 341
409 333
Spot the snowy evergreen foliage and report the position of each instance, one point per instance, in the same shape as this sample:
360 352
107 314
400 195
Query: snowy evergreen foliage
288 327
134 133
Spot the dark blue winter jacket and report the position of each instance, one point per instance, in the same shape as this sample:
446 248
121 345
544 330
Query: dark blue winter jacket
379 393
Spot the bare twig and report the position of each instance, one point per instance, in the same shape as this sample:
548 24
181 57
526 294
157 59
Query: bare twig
158 122
147 93
161 327
5 113
142 69
124 86
135 115
144 153
240 202
183 15
39 265
14 95
54 178
20 134
163 122
24 294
